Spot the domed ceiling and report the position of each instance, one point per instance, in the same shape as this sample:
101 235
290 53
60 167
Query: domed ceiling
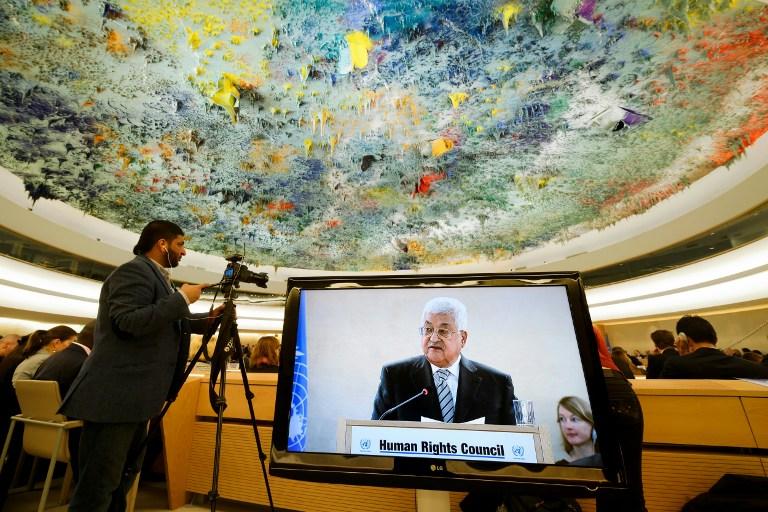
374 134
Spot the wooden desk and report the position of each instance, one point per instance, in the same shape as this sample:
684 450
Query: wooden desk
189 438
695 431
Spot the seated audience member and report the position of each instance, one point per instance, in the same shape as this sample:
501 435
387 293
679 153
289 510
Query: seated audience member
8 403
642 357
682 345
38 350
247 352
701 360
622 361
265 356
664 341
8 343
753 356
63 367
574 415
734 352
9 406
636 357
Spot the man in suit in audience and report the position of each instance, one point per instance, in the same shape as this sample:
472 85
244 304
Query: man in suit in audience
141 344
7 344
702 360
665 348
470 390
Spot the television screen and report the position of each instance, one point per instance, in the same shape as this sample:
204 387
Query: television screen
442 382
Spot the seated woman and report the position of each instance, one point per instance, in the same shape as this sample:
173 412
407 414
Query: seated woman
39 348
624 363
574 415
266 355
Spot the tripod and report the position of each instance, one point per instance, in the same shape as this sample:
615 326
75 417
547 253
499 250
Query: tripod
227 347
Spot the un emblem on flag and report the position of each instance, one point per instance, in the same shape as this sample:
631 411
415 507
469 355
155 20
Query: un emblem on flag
297 427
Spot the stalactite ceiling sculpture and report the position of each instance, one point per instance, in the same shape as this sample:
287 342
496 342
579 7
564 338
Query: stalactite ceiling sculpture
376 134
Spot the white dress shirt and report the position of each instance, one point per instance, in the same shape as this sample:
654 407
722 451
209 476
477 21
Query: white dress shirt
453 378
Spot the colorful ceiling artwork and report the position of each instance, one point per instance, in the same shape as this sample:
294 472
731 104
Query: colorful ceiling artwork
376 134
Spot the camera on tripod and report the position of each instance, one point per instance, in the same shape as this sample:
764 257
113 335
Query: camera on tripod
236 272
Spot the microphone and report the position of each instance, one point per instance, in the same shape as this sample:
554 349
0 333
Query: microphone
423 392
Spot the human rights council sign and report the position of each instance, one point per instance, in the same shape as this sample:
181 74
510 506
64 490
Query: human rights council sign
486 445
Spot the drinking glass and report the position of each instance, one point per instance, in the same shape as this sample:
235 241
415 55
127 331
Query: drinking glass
524 412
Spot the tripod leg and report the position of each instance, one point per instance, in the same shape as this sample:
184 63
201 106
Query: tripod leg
221 404
249 396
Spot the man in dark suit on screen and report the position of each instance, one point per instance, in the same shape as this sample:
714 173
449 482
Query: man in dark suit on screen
141 343
458 390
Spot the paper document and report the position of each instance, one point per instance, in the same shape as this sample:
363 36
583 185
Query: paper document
760 382
476 421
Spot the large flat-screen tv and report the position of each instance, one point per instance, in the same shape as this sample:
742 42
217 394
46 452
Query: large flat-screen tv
443 382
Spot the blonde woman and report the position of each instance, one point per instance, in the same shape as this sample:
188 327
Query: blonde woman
266 355
577 428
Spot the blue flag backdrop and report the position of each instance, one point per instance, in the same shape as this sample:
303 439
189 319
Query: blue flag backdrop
297 431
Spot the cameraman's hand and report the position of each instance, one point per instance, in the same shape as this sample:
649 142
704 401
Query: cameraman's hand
193 291
214 314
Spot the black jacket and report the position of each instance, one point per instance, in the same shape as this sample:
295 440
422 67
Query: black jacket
482 391
710 363
656 362
62 367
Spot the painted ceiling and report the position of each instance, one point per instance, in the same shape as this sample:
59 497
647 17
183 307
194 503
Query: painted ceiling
375 134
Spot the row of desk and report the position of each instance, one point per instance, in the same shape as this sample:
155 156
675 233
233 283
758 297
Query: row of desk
695 431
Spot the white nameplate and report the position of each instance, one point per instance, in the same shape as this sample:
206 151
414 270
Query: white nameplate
484 445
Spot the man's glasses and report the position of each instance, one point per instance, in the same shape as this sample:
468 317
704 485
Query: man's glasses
441 333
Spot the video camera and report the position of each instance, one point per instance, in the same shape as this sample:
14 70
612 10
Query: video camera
236 272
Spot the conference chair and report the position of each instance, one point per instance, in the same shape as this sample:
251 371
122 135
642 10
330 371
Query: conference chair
45 431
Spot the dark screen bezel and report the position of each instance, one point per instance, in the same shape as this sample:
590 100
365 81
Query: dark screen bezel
428 473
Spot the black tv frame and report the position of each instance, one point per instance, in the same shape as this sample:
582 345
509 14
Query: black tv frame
439 474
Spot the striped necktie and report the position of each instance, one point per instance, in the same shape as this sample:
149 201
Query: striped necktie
444 395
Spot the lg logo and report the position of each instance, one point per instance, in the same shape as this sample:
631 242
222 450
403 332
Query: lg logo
437 467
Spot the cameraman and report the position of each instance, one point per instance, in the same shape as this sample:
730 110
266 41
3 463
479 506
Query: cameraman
141 343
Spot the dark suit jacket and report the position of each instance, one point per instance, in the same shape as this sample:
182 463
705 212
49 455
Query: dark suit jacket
141 344
710 363
62 367
482 391
656 362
